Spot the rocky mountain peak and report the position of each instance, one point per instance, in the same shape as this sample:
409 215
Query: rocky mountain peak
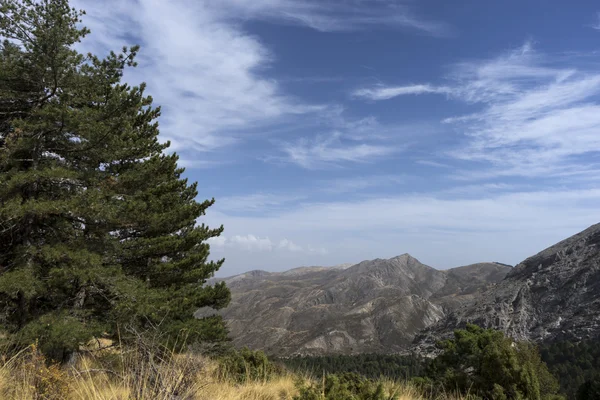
405 258
552 295
572 248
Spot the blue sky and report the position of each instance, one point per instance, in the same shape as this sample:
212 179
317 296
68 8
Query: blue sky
337 131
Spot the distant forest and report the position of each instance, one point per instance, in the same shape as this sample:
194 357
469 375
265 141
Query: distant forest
372 366
571 363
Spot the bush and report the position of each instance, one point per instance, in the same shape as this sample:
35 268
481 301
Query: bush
346 386
247 365
31 376
488 364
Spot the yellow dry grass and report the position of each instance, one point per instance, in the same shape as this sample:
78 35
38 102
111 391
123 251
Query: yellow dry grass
176 377
26 376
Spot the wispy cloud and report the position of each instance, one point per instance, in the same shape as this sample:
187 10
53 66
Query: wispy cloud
209 73
331 16
200 66
331 150
381 92
539 118
596 24
360 183
217 242
487 211
342 140
317 250
256 202
431 163
482 190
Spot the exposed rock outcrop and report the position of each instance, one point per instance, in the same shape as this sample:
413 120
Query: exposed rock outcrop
553 295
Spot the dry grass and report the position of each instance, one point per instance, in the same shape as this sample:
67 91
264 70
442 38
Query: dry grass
130 375
133 375
276 389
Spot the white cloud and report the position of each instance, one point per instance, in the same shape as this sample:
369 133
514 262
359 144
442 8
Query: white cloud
217 242
200 66
381 92
251 243
317 250
254 243
206 70
289 245
334 149
538 119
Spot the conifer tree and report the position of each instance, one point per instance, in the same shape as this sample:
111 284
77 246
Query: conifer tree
98 228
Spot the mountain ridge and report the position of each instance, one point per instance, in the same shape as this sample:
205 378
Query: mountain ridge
372 306
553 295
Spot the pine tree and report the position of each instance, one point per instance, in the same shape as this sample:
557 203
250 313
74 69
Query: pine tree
98 227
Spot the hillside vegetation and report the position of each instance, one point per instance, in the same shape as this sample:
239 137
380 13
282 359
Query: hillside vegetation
477 364
574 364
135 374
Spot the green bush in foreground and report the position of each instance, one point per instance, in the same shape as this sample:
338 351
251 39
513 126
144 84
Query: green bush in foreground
247 365
346 386
485 363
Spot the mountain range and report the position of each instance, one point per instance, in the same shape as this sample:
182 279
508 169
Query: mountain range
400 304
374 306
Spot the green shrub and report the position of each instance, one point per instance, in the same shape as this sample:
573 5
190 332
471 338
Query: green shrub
247 365
346 386
488 364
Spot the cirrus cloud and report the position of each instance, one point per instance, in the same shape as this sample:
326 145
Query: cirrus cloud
539 118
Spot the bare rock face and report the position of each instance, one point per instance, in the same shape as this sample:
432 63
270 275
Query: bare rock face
373 306
553 295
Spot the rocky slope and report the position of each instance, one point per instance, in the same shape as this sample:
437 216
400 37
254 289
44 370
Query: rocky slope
373 306
552 295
